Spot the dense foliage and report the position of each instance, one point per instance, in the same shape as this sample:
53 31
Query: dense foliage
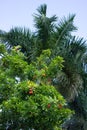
27 97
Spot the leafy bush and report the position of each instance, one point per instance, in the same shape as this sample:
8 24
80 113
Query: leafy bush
27 98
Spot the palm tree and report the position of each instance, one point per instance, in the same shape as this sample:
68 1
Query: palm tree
57 37
47 35
23 37
45 26
71 80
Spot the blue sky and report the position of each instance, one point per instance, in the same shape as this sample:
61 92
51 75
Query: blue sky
19 13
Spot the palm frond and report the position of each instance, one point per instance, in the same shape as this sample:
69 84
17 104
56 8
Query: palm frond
78 44
53 19
64 28
42 9
17 36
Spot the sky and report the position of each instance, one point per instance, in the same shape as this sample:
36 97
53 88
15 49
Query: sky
19 13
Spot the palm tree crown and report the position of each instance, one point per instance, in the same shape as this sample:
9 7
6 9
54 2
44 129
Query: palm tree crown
44 25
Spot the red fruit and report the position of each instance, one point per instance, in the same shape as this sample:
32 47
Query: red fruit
48 105
30 91
59 106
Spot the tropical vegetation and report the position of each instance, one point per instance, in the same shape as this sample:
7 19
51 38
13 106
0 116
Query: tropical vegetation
51 64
